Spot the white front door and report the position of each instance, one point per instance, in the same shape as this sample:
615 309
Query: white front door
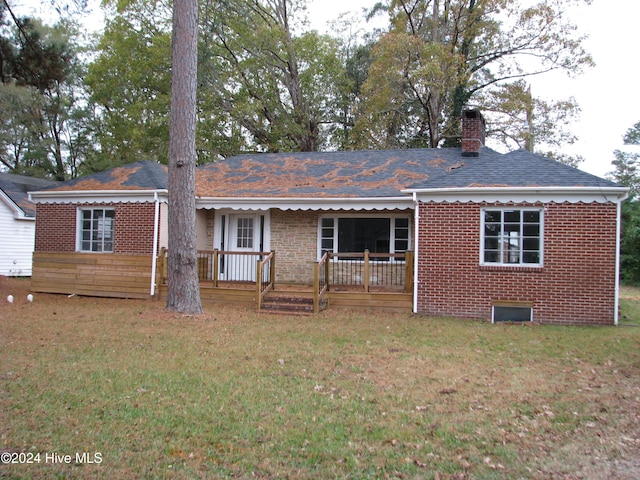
244 233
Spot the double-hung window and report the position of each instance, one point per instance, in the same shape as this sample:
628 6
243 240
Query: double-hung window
96 229
352 234
511 237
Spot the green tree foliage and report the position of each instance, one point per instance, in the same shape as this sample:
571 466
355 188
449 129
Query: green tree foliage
262 85
626 172
43 105
19 107
440 55
268 83
130 81
279 87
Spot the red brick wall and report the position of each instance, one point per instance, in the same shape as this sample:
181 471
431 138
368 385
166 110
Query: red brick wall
56 227
576 285
134 228
473 131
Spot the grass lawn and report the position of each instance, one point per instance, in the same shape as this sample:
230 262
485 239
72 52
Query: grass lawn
142 393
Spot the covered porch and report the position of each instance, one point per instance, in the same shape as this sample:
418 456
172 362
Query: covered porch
340 280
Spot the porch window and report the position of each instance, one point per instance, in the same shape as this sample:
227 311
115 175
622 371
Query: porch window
357 234
511 236
245 233
96 230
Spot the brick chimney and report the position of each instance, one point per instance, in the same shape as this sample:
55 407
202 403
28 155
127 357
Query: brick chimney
473 132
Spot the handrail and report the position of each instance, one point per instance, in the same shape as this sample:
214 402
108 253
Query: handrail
320 281
263 287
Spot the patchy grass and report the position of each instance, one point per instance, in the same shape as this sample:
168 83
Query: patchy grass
232 394
630 306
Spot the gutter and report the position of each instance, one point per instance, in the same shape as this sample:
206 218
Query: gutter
416 234
94 196
616 301
616 191
520 194
154 254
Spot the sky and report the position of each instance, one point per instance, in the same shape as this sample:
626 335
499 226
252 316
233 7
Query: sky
606 94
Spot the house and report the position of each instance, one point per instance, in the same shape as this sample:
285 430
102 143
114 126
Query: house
99 235
466 232
17 223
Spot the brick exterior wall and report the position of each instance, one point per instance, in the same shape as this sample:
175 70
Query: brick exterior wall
57 224
294 238
134 228
576 285
55 228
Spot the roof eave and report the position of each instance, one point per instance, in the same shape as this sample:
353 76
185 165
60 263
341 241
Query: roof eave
96 196
522 194
18 213
305 203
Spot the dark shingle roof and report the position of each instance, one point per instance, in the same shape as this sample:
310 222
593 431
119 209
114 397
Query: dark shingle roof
348 174
373 173
519 168
142 175
16 187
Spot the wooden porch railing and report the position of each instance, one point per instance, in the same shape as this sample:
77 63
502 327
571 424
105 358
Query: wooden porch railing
367 270
320 281
218 266
265 277
362 271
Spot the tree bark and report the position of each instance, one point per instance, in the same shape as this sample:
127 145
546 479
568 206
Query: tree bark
183 293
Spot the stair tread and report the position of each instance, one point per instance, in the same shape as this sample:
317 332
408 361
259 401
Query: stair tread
301 313
304 301
290 302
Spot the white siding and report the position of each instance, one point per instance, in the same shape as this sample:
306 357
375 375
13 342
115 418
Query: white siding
17 242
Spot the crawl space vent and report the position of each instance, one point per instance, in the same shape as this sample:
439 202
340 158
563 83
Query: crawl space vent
502 313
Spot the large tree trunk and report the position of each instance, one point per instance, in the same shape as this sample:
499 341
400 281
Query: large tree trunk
183 290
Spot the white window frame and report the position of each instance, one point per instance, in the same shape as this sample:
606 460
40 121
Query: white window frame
80 230
522 210
392 227
245 233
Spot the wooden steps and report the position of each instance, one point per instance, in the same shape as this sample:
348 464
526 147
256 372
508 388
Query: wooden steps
289 302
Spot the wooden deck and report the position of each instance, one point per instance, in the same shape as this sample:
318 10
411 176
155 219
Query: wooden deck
228 293
129 276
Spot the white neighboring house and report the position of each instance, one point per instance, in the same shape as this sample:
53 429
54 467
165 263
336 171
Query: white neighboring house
18 223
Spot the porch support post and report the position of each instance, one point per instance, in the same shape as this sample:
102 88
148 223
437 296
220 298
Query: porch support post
408 271
259 283
366 270
216 263
327 265
316 288
272 270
